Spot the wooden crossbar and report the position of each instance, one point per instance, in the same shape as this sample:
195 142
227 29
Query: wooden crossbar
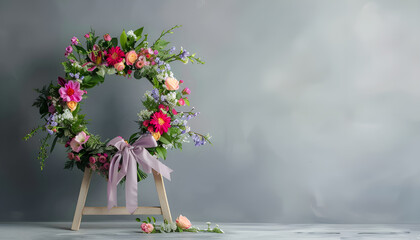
81 210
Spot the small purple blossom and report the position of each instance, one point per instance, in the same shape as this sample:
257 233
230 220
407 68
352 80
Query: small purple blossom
51 124
155 94
198 140
184 54
74 41
172 50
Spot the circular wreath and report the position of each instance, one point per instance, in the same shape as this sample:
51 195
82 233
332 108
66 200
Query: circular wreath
85 67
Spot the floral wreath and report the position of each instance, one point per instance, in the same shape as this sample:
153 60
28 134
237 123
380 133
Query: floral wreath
60 104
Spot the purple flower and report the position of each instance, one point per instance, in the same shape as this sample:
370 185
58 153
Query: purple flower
184 54
155 94
51 124
74 40
172 50
198 140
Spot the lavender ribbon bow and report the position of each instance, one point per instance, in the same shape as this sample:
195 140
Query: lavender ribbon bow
130 156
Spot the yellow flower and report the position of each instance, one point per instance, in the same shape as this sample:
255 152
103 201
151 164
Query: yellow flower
72 105
156 135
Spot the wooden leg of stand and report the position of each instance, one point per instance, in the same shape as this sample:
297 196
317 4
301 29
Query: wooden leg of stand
160 188
82 200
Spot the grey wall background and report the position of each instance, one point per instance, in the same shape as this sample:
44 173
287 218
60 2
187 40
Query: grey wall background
313 108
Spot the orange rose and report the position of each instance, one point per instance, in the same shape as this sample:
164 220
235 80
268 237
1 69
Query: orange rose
72 105
171 83
183 222
156 135
131 57
119 66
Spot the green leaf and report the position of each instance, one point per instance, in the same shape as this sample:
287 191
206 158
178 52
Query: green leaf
161 151
91 81
154 219
133 137
123 40
187 101
138 33
80 49
148 219
160 44
53 144
137 74
114 42
138 220
164 140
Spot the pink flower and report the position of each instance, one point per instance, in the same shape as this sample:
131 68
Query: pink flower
186 91
183 222
147 227
181 81
77 142
70 155
102 159
106 155
181 102
161 122
130 57
87 35
114 55
171 83
74 40
161 106
141 62
92 159
107 37
174 112
77 158
156 52
71 92
106 166
119 66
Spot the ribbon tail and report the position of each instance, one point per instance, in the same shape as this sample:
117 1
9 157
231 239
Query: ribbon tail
148 162
113 181
131 200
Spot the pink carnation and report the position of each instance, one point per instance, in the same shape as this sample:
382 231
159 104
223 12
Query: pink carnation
147 227
71 92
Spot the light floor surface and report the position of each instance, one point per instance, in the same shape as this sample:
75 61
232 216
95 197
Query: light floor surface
131 230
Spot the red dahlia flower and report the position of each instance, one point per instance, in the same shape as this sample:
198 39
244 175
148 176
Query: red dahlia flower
115 55
161 122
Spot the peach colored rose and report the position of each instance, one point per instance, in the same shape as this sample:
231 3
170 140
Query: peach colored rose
156 135
119 66
171 83
147 227
183 222
131 57
72 105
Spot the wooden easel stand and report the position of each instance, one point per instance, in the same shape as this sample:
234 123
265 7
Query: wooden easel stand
81 210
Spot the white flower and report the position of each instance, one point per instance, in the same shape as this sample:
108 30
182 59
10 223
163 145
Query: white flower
131 34
66 115
145 114
167 146
171 98
77 65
